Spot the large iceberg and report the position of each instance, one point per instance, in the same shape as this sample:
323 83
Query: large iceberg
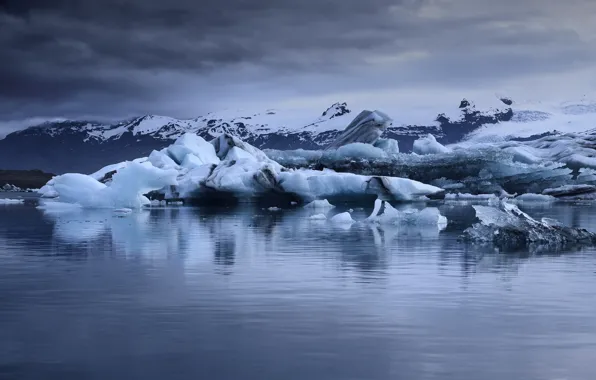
366 128
194 169
507 227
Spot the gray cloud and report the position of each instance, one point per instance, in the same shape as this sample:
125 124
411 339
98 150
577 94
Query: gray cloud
116 58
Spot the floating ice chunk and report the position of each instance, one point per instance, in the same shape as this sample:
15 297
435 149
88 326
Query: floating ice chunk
313 184
343 218
361 151
508 227
157 203
53 206
377 208
470 197
274 209
570 191
8 201
318 217
122 211
319 204
534 198
125 190
384 213
429 145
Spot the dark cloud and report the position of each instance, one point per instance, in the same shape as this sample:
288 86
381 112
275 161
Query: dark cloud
111 58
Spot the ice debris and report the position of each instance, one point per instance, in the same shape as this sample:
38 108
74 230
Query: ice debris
384 213
8 201
507 227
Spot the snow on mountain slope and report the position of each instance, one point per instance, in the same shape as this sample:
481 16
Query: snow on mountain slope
84 146
535 119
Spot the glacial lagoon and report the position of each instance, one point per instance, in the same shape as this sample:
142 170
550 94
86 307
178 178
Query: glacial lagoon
246 292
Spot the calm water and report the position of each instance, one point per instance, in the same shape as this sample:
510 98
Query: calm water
181 293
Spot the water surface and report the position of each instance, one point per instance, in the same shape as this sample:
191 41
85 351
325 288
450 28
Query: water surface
245 293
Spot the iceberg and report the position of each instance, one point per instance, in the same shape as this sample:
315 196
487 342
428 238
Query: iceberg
385 214
194 169
481 169
571 191
428 145
366 128
342 218
125 190
507 227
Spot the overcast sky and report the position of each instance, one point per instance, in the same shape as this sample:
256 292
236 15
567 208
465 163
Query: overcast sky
183 58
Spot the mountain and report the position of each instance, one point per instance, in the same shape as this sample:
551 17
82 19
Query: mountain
85 146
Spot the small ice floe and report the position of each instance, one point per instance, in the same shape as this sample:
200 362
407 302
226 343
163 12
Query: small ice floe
384 213
342 218
319 204
122 211
318 217
534 198
8 201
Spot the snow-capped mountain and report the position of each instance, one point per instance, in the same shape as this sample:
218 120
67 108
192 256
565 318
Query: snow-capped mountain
84 146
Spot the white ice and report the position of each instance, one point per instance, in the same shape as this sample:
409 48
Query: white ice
429 145
429 216
9 201
342 218
318 217
319 204
125 190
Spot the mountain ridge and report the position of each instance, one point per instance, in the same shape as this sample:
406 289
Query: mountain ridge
84 146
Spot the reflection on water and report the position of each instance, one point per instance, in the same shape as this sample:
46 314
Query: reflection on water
249 293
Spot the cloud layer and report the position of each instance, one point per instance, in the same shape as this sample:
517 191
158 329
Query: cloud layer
117 58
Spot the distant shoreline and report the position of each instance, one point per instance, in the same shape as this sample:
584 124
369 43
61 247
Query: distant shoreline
25 179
